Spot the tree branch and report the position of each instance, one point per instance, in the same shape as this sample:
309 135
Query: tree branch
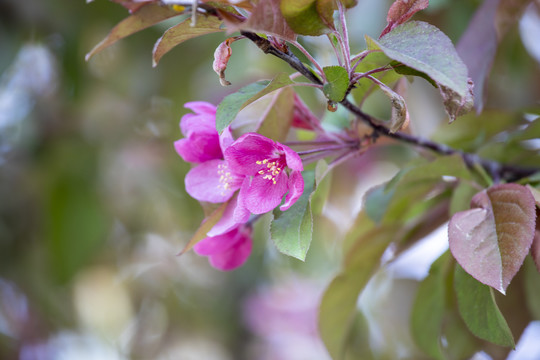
497 170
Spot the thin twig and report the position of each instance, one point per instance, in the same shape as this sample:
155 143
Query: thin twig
495 169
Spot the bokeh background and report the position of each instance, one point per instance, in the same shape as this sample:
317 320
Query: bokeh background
93 210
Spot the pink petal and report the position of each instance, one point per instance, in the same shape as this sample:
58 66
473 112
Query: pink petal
293 160
201 107
232 216
244 153
235 256
296 188
226 138
203 182
262 195
216 244
199 148
191 123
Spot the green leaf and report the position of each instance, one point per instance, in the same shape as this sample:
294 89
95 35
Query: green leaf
461 197
291 230
405 70
425 48
182 32
417 182
470 132
532 288
303 17
376 201
277 119
428 309
233 103
322 187
479 310
337 83
338 305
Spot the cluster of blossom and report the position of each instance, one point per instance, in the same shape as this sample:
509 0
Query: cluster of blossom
249 173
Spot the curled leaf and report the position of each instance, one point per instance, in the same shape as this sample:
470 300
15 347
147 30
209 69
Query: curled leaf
491 240
401 11
221 58
400 115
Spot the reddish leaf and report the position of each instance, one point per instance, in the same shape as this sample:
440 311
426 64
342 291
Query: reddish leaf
267 18
401 11
490 241
147 15
182 32
134 5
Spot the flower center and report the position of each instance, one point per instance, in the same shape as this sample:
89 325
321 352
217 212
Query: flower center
225 178
271 170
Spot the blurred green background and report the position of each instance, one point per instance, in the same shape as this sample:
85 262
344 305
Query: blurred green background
93 208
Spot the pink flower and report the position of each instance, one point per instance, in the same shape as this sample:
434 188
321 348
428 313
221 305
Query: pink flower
201 141
227 251
263 164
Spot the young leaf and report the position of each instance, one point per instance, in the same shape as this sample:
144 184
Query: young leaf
303 17
231 105
146 16
425 48
291 230
479 310
205 227
400 115
490 241
221 59
428 309
338 305
338 83
182 32
401 11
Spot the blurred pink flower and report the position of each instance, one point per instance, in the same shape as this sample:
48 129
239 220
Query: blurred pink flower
227 251
263 162
284 318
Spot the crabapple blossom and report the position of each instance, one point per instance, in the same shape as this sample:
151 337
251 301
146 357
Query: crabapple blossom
227 251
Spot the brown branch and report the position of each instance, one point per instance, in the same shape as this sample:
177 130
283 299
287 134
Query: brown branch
497 170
